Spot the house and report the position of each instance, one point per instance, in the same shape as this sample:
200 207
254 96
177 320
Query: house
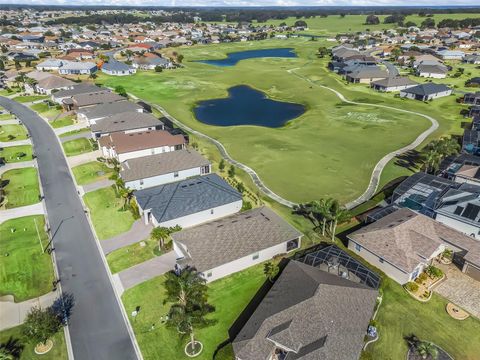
52 83
150 63
126 122
474 111
437 71
81 88
471 138
472 59
396 83
403 243
467 174
153 170
366 75
473 82
123 146
472 98
231 244
93 98
97 112
451 54
188 202
309 314
425 92
117 68
50 65
77 68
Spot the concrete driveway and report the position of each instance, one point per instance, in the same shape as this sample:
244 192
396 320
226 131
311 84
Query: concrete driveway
460 289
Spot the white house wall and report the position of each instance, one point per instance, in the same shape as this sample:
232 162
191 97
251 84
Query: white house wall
146 152
163 179
465 228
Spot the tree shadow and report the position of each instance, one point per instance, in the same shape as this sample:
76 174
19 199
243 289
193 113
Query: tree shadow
12 347
62 307
409 160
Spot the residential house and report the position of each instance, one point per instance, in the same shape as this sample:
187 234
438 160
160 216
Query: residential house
231 244
403 243
150 63
451 54
425 92
50 65
396 83
93 98
472 98
472 59
309 314
81 88
153 170
123 146
471 138
51 84
437 71
467 174
97 112
366 75
126 122
78 68
188 202
117 68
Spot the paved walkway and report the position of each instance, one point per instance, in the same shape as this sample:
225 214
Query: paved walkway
460 289
17 165
10 122
86 135
138 232
83 158
13 314
35 209
97 185
65 129
15 143
147 270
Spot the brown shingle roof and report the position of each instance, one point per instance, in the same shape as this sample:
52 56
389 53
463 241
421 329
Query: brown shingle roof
124 143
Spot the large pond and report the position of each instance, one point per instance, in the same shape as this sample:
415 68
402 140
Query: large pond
246 106
233 58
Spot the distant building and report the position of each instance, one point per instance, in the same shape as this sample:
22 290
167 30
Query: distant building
117 68
425 92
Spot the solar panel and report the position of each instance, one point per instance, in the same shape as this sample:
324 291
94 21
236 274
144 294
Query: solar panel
471 211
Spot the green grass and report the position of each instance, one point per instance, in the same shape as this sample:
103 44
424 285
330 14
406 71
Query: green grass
400 315
333 146
58 352
50 112
29 98
229 295
131 255
23 187
12 154
11 91
12 132
6 116
75 132
108 217
91 172
25 271
62 122
77 146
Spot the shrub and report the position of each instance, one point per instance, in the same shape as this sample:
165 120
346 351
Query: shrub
423 276
434 272
411 286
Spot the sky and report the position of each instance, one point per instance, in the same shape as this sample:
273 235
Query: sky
248 2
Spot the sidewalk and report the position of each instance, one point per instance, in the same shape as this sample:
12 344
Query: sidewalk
138 232
35 209
83 158
15 143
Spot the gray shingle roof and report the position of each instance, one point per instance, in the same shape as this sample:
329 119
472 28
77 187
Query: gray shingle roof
114 65
320 315
166 163
182 198
82 88
125 121
394 81
233 237
427 89
107 109
99 97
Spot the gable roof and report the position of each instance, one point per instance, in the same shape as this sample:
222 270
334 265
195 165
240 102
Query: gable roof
166 163
124 143
316 314
54 82
233 237
94 98
426 89
114 65
125 121
186 197
82 88
108 109
394 81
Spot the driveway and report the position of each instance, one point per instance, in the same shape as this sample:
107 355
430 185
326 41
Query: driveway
35 209
138 232
147 270
84 158
98 327
460 289
17 165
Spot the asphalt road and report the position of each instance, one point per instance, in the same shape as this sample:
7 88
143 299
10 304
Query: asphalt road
97 327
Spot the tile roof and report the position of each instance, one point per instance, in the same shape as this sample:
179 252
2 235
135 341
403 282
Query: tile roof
166 163
186 197
222 241
124 143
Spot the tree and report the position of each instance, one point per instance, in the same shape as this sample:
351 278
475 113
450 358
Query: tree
322 51
409 24
270 270
180 58
126 194
300 23
161 234
428 23
187 292
231 171
438 150
372 20
221 165
5 354
40 325
120 90
2 65
322 207
426 349
338 214
158 68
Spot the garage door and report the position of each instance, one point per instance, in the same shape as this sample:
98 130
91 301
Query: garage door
473 272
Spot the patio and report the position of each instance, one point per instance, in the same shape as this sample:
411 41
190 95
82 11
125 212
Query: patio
460 289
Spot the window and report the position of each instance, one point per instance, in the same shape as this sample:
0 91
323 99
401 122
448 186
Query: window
358 247
255 256
175 174
292 244
211 211
141 182
209 274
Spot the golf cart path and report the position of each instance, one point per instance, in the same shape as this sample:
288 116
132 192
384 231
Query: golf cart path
377 170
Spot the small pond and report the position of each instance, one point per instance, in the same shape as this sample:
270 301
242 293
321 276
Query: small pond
233 58
246 106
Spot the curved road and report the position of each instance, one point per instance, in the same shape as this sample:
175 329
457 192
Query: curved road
98 329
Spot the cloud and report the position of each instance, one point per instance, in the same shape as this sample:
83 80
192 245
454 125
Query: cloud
247 2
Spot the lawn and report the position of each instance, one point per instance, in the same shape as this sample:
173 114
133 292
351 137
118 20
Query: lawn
229 295
77 146
333 146
12 132
131 255
75 132
18 153
50 112
6 116
29 98
58 352
91 172
22 187
62 122
108 217
400 315
25 270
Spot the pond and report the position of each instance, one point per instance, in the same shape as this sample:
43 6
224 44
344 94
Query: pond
233 58
246 106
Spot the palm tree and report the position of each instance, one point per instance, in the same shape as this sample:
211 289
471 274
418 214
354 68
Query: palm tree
160 234
323 207
5 354
426 349
338 214
188 293
126 194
